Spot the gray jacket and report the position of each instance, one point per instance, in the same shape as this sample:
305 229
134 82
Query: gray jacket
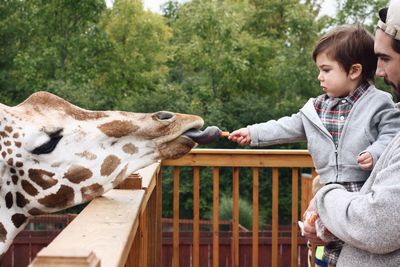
370 126
367 221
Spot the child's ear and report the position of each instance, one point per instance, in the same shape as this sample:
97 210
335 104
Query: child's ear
355 71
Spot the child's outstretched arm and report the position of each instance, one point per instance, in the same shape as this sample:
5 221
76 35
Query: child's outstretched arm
240 136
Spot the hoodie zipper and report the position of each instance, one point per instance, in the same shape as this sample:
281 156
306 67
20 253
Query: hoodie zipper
336 147
337 164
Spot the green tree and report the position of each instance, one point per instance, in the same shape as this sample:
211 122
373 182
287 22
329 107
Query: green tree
140 51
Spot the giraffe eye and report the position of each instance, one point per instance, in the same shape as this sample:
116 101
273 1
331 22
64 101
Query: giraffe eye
50 145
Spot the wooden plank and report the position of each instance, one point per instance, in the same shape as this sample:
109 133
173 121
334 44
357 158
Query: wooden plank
148 173
143 227
243 158
235 220
196 215
175 246
255 216
133 181
215 217
106 227
295 205
275 222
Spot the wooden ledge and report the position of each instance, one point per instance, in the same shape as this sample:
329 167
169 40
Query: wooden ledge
103 231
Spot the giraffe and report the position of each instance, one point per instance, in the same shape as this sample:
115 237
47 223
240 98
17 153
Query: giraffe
55 155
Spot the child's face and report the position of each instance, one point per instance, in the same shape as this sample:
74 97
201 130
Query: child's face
333 79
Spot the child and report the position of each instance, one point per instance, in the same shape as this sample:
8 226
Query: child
346 128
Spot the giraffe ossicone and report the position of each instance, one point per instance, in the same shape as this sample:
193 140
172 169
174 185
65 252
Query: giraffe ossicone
54 155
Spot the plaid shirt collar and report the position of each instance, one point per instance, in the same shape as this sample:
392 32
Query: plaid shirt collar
354 96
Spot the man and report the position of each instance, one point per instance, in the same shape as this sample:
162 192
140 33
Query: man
369 221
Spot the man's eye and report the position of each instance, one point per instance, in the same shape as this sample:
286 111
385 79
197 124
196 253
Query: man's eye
50 145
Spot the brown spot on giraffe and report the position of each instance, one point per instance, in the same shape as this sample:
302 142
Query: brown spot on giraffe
91 191
63 198
130 149
56 165
42 178
77 174
18 219
3 233
10 162
35 211
9 200
21 200
14 179
29 188
8 129
87 155
109 164
118 128
7 143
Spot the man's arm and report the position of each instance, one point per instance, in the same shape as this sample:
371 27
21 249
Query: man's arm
368 221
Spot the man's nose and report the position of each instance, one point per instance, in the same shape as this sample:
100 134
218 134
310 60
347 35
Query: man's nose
380 72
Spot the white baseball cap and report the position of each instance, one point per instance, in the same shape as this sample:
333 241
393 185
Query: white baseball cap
389 21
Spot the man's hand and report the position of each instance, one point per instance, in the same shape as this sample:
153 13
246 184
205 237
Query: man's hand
309 229
365 161
240 136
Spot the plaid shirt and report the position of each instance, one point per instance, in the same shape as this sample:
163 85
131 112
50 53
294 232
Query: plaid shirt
333 112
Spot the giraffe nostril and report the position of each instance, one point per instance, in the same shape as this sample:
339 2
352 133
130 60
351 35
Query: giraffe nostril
164 115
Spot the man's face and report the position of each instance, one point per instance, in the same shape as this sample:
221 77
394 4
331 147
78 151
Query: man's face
388 61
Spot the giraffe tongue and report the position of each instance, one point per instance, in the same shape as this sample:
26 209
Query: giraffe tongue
209 135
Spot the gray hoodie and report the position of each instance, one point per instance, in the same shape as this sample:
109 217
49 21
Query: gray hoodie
370 126
367 221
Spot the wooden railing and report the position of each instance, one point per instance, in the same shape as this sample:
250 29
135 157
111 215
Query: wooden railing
255 159
123 228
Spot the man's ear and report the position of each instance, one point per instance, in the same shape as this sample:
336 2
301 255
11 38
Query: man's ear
355 71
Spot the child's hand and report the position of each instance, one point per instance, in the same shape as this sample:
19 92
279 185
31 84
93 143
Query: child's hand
365 161
240 136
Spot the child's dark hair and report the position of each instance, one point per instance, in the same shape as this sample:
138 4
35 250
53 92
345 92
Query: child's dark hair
349 45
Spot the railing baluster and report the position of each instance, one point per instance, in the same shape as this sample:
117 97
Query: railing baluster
196 215
295 204
275 206
236 158
235 193
215 217
255 216
175 252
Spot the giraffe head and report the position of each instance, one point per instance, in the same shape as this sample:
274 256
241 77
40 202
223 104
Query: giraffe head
54 155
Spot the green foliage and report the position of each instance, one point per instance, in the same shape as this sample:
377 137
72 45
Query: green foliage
245 211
